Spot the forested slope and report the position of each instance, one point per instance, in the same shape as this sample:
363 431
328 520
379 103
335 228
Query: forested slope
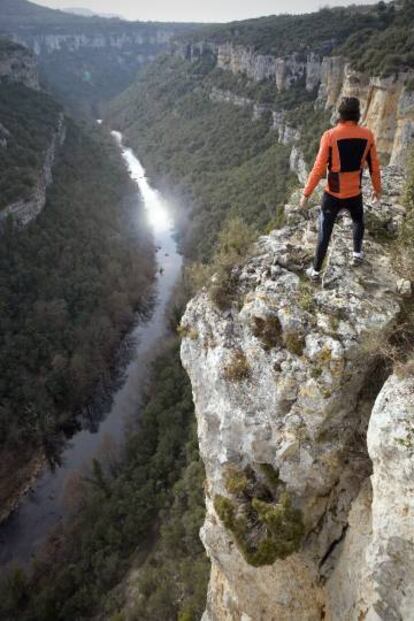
70 283
28 121
212 158
142 512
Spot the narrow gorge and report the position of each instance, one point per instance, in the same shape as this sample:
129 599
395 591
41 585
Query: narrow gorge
228 440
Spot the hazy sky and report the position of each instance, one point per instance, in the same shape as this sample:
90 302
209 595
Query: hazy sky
193 10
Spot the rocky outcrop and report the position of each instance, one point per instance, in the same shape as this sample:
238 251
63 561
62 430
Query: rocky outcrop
404 134
331 80
388 109
18 65
218 95
25 210
297 164
284 383
287 134
284 71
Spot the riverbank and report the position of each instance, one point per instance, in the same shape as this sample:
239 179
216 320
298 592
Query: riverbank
44 507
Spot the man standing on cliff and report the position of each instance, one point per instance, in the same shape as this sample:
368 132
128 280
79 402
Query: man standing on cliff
345 151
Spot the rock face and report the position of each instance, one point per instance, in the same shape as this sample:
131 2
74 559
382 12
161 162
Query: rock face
121 40
387 103
18 65
298 165
24 211
219 95
374 574
284 383
388 109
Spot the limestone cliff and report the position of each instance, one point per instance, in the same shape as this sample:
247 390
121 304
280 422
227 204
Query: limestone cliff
305 519
388 103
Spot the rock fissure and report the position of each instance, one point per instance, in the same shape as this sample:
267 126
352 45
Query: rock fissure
335 543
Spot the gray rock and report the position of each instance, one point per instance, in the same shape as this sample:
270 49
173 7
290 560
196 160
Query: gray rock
303 407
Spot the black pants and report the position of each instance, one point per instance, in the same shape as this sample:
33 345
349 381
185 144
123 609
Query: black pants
330 208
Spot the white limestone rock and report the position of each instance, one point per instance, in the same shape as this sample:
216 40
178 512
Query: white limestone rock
302 407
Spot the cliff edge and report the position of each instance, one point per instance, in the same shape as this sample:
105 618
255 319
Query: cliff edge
306 519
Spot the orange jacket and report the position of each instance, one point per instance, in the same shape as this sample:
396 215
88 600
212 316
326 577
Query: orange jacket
345 151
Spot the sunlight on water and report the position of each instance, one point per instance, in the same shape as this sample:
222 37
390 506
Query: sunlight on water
157 212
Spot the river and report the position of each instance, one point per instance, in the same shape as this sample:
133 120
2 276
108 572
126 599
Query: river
44 507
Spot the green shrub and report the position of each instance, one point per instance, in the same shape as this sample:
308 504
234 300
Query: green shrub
271 475
232 248
235 480
264 524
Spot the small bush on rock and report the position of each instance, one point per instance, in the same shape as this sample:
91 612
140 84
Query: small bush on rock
238 368
233 246
294 343
265 525
268 330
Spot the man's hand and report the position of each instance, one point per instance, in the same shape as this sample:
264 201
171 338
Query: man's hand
304 202
376 196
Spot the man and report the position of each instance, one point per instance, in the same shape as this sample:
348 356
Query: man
345 151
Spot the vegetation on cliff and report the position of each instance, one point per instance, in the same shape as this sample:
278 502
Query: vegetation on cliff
279 35
260 516
70 283
142 510
30 119
212 156
377 39
388 50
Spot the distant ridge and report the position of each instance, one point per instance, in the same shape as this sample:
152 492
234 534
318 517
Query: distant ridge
83 12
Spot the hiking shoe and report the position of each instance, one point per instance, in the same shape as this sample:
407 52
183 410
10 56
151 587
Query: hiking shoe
357 259
313 275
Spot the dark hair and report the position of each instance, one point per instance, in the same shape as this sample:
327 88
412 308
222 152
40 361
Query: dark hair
349 109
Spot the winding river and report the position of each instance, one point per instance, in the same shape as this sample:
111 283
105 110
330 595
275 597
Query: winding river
44 507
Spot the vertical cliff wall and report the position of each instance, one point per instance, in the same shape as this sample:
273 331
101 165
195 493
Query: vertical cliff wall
388 103
284 383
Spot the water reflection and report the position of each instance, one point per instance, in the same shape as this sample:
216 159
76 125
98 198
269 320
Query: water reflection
156 209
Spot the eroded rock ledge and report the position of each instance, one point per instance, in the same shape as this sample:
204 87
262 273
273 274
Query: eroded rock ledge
284 385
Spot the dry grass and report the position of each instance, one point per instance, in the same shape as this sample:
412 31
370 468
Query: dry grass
238 368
